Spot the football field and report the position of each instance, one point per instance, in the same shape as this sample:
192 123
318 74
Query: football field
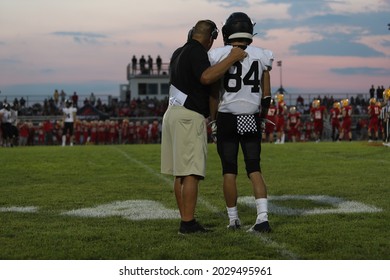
327 201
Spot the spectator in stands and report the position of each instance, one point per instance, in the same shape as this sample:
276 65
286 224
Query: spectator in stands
372 91
134 64
63 97
75 99
22 103
92 99
150 64
159 63
300 100
142 64
56 97
379 94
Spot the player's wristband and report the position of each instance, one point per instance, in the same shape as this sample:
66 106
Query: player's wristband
266 102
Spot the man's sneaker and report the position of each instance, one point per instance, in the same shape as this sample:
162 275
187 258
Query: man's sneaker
262 227
193 228
235 226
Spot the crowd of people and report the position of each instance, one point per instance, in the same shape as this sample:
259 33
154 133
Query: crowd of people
327 118
145 66
85 132
299 121
53 106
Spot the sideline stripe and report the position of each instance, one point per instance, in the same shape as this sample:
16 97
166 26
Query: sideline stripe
266 240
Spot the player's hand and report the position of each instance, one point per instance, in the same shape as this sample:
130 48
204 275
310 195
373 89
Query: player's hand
213 125
262 125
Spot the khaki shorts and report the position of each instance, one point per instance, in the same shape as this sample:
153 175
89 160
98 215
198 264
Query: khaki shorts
183 143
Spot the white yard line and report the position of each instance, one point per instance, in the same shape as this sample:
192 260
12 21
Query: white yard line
285 253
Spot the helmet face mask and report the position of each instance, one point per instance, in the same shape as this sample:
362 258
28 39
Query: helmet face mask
238 26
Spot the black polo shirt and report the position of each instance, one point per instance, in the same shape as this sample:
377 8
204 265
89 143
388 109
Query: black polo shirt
186 67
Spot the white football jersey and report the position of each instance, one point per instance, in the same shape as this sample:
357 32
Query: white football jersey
240 90
6 116
68 112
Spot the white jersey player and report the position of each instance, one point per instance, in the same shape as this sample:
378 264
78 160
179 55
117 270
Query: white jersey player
69 118
241 92
243 89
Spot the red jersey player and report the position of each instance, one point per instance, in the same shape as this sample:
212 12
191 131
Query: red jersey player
293 123
270 127
335 116
281 110
373 126
318 114
346 125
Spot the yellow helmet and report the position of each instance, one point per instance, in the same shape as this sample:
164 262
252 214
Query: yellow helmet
316 103
293 110
372 100
279 97
336 105
345 102
386 94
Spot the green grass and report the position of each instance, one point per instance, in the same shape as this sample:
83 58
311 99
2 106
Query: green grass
56 180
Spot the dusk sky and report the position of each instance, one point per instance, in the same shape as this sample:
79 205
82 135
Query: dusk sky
85 45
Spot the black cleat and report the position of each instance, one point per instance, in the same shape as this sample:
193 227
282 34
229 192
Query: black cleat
237 225
262 227
192 228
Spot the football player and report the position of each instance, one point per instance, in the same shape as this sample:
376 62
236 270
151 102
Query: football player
281 111
335 116
268 134
318 113
293 124
6 124
244 89
385 117
374 110
69 117
346 112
